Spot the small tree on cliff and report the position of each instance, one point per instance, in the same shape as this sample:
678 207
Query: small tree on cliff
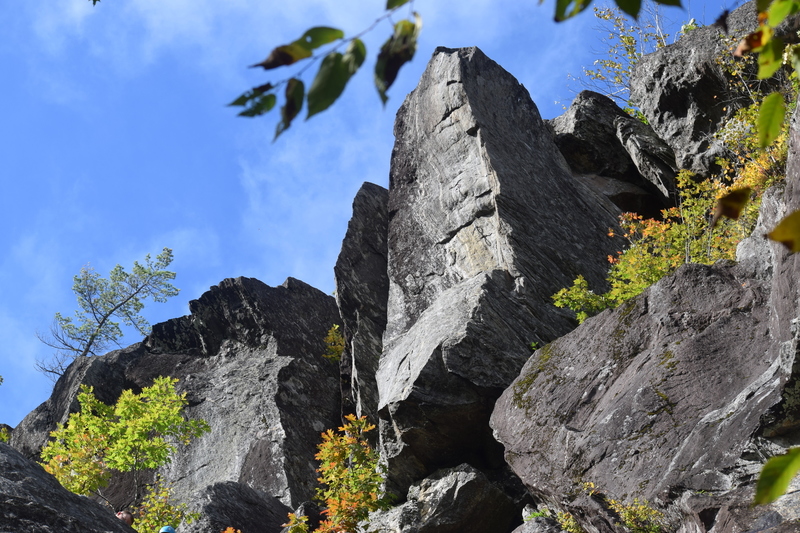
102 300
139 432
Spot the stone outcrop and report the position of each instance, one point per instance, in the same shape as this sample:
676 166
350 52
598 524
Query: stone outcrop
478 242
615 155
678 396
451 500
249 359
362 290
32 501
686 94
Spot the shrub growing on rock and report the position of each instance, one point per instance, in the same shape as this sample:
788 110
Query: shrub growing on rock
351 479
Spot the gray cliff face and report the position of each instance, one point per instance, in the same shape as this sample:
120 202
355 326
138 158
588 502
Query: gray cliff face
249 359
479 196
678 396
32 501
362 290
475 175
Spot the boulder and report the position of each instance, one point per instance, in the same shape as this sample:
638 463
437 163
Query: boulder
485 224
362 289
451 500
612 153
230 504
678 396
249 359
586 136
33 501
686 94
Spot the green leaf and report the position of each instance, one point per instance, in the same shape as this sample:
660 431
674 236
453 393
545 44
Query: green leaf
780 9
770 119
631 7
318 36
251 95
787 232
563 10
770 58
395 53
776 476
259 106
676 3
391 4
334 73
295 91
285 55
762 5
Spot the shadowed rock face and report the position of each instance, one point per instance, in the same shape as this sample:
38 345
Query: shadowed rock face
452 500
485 224
616 155
362 289
32 501
249 360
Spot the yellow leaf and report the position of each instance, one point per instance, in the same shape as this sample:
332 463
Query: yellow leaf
787 232
731 204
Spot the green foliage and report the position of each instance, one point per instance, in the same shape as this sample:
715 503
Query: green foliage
770 118
102 300
658 247
296 524
136 433
335 71
773 54
688 233
336 68
398 50
158 510
351 479
334 344
625 43
542 513
582 300
776 476
638 516
568 523
5 435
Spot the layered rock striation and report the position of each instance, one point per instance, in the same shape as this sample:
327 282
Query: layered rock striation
32 501
443 282
479 239
249 360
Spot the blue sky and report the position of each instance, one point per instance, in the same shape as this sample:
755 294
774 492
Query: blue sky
115 142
